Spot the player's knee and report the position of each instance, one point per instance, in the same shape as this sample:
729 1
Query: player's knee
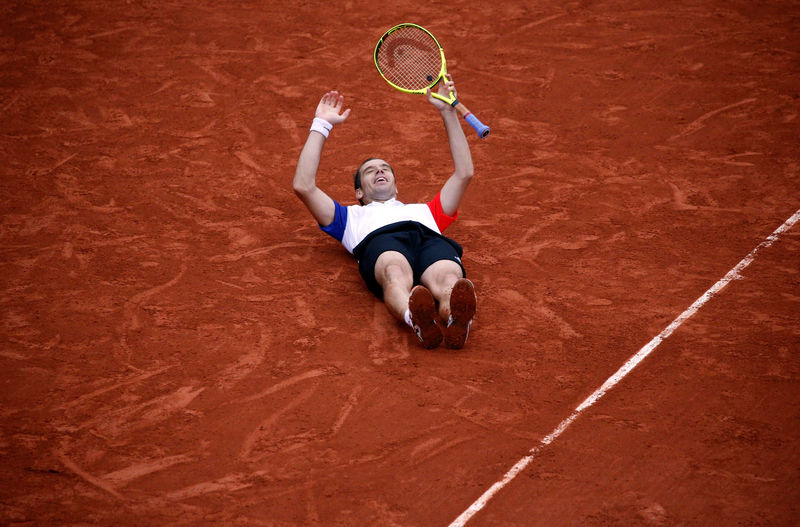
395 275
449 279
442 283
441 276
449 273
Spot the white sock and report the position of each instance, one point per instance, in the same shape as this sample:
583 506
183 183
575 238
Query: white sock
407 318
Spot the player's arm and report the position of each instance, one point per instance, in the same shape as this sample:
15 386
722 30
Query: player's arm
318 202
456 185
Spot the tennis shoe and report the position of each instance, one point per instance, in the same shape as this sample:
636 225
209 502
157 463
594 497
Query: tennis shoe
424 318
463 304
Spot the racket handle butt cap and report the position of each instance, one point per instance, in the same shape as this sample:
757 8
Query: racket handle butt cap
475 123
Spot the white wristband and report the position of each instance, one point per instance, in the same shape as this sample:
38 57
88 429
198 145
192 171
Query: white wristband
322 126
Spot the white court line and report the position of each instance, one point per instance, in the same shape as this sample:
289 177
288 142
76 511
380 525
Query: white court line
626 368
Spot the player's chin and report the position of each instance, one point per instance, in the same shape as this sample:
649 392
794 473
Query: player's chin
383 194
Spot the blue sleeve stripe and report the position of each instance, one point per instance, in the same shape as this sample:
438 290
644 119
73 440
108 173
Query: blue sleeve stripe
336 228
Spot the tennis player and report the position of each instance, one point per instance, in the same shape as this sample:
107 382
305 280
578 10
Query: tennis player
401 252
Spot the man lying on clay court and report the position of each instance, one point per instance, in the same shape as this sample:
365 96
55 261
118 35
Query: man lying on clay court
401 252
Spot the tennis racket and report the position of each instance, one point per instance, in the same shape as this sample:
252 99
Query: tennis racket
410 58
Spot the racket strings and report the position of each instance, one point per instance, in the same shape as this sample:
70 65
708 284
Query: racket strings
409 58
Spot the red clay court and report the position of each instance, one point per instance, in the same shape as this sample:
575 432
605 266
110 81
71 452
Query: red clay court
181 345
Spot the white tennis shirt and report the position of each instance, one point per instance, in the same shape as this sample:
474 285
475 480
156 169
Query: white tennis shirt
354 223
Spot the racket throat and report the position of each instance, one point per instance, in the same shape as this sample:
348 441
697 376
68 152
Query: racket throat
451 101
463 110
455 103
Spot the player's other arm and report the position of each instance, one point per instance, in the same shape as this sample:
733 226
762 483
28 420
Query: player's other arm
456 185
318 202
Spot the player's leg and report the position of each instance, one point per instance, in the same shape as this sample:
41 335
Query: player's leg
415 307
440 277
394 274
445 277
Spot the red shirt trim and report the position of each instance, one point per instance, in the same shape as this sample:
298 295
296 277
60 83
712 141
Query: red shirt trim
442 220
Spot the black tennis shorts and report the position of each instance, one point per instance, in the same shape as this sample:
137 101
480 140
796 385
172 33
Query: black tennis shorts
420 245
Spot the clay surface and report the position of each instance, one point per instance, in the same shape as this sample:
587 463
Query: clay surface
181 345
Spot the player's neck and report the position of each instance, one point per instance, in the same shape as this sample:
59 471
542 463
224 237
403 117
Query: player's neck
382 200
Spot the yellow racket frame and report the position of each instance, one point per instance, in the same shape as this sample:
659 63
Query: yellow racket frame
473 121
449 100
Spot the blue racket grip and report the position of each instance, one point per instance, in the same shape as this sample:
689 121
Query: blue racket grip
479 127
473 121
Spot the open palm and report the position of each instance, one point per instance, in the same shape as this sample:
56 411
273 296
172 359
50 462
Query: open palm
330 108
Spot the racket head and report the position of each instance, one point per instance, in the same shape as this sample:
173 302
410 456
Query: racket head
410 58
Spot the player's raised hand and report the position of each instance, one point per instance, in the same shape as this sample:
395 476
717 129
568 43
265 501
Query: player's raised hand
330 108
446 88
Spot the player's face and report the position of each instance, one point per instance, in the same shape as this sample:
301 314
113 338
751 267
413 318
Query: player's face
377 181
